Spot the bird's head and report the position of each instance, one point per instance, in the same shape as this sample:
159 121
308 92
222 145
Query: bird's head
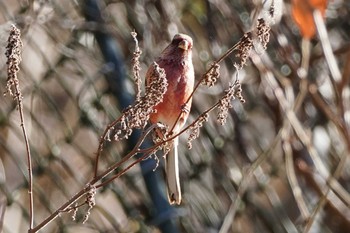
182 41
178 50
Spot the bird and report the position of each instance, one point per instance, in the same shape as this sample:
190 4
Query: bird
173 111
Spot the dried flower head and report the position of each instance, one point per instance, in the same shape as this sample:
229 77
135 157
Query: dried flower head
137 115
234 91
136 66
195 128
243 49
13 55
238 93
212 76
90 200
263 32
157 88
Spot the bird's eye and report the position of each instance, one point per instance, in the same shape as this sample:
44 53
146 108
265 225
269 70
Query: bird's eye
176 41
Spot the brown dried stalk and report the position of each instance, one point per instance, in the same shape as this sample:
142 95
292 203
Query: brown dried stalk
13 55
91 186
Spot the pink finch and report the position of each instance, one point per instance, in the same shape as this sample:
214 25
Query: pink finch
176 60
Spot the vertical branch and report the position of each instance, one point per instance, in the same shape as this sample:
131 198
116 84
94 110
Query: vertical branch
13 54
327 49
292 178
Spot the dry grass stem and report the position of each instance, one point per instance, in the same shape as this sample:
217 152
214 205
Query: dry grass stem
13 55
66 207
292 177
329 55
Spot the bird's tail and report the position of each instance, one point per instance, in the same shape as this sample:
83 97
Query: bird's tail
172 174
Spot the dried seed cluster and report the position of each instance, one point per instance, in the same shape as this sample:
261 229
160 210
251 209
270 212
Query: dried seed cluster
263 32
136 66
137 116
13 55
90 200
195 129
243 50
245 45
234 91
212 76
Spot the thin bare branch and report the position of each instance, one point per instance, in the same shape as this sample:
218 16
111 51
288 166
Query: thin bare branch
13 54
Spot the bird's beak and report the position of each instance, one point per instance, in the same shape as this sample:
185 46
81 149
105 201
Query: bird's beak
184 45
